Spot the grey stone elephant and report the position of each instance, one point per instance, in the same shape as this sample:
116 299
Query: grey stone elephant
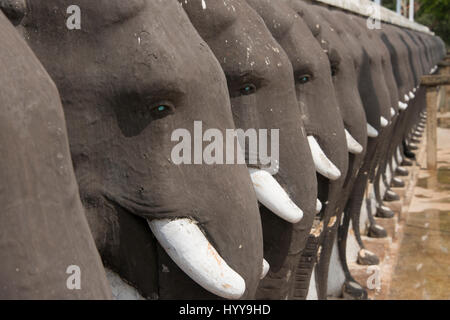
261 86
155 223
45 239
125 174
323 123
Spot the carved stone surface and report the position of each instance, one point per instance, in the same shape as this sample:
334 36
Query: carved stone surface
340 102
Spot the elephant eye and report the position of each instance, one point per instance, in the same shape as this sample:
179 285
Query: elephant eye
161 110
248 89
304 79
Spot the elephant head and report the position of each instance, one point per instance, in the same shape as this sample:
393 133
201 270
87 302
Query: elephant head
131 78
321 116
377 61
390 109
44 232
332 270
261 86
313 82
345 80
405 80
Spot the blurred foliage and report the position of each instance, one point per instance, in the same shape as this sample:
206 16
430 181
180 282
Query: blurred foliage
390 4
433 13
436 15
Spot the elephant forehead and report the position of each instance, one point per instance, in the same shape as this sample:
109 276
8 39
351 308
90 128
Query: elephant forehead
153 54
213 17
247 49
112 11
307 58
94 14
277 16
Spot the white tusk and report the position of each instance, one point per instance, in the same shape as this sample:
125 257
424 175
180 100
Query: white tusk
352 145
393 112
399 156
318 206
371 131
384 123
265 269
403 106
274 197
324 166
407 98
411 95
188 247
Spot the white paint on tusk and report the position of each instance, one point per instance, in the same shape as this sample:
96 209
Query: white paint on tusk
352 145
383 121
393 113
387 172
371 131
399 156
318 206
274 197
402 105
188 247
265 269
324 166
393 165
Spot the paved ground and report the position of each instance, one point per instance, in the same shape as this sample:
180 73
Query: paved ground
423 265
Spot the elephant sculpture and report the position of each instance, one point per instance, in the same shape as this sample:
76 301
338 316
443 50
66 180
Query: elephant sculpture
375 100
379 187
157 224
262 92
115 164
45 238
338 277
319 106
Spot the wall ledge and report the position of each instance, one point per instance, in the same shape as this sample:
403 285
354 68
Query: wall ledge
367 8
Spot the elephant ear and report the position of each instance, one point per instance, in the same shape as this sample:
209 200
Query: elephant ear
14 10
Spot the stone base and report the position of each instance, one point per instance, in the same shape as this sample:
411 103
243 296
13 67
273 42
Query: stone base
387 249
378 246
372 278
395 206
391 226
400 191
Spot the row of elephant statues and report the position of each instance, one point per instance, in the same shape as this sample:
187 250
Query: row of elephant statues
87 180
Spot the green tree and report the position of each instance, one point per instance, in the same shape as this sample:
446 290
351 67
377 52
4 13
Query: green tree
390 4
433 13
436 15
